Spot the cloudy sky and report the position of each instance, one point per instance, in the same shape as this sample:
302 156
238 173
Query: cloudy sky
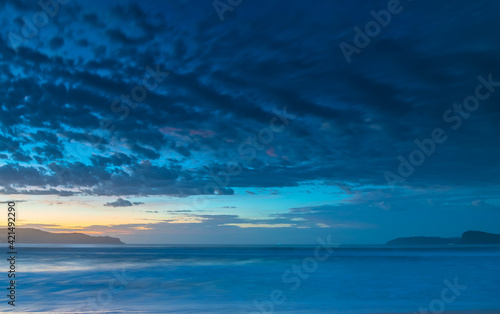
251 121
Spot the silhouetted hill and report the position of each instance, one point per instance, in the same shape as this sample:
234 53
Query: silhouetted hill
29 235
479 237
468 237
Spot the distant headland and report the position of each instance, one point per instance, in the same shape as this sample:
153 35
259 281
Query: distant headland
30 235
468 237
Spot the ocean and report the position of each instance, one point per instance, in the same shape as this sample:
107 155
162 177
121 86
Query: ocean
254 279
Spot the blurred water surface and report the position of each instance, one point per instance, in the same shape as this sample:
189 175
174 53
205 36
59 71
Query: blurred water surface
230 279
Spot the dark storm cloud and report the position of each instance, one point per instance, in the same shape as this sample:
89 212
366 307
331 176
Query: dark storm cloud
8 144
85 138
22 176
21 156
352 120
56 42
117 159
52 152
122 203
41 136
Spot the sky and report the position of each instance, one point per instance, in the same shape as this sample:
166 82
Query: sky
251 122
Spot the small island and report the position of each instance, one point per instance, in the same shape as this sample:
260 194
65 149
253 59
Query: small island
468 237
30 235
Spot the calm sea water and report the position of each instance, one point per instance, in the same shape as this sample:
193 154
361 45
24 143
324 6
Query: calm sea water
167 279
